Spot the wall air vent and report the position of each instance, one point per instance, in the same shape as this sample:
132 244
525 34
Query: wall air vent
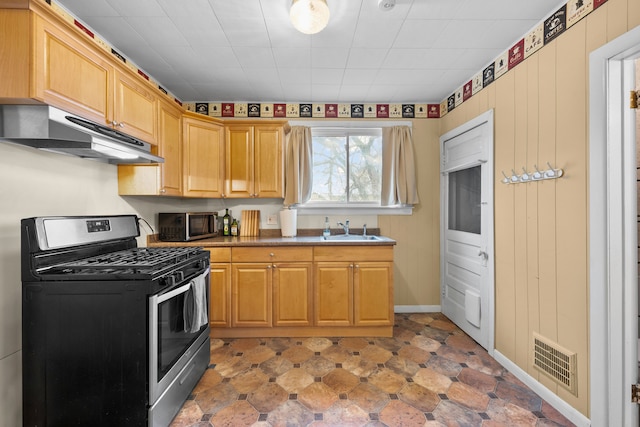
556 362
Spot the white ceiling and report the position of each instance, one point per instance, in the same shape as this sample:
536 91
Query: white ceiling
247 50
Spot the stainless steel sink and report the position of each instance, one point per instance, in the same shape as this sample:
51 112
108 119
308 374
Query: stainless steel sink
351 238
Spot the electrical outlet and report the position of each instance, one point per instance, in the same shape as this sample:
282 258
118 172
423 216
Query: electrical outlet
272 219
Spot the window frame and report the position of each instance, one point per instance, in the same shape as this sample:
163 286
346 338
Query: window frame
360 208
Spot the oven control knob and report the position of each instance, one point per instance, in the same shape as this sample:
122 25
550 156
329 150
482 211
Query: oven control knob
179 275
169 280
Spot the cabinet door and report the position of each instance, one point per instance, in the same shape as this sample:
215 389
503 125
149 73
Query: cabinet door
170 148
268 162
239 163
69 74
334 294
220 296
251 295
203 158
292 294
373 293
135 108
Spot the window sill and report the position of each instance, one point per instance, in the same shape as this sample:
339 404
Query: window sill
354 210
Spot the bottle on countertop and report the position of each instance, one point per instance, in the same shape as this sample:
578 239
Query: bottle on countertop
234 227
327 230
226 223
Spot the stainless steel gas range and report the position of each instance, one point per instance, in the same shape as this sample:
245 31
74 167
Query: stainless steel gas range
113 334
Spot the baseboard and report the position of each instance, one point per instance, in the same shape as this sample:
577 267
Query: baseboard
417 309
560 405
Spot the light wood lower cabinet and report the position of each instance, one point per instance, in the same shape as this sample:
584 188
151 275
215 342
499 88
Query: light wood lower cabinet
220 296
334 293
292 295
302 291
251 295
220 287
373 293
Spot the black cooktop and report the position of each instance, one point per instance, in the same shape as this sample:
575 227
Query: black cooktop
129 264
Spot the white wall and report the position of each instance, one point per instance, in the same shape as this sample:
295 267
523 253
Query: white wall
37 183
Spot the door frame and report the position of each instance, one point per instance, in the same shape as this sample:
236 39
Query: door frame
613 309
488 213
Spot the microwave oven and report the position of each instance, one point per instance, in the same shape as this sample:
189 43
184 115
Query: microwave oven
184 227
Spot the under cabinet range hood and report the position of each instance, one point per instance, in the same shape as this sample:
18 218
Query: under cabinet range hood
51 129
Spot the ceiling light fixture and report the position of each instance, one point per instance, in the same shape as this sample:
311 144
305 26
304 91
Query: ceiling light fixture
386 5
309 16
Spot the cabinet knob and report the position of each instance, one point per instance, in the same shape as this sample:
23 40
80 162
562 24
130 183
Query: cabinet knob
272 254
357 266
163 190
274 266
268 267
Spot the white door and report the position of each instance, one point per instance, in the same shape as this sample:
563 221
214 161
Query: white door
467 273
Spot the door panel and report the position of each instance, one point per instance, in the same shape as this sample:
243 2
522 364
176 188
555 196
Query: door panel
467 288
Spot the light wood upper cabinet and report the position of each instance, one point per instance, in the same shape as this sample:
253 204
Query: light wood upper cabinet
239 161
45 59
170 148
268 161
254 161
158 179
135 108
203 157
69 74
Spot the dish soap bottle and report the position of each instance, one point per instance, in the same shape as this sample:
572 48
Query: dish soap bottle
327 231
234 227
226 223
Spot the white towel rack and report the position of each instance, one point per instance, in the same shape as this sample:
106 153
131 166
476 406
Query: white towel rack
538 175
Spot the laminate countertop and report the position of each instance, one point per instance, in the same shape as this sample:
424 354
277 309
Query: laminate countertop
273 238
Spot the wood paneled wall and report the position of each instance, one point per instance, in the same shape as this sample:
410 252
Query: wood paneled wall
541 228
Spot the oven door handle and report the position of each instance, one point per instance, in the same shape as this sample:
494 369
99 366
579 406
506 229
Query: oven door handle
182 289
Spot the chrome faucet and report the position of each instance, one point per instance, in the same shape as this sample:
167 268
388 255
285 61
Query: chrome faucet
364 230
345 227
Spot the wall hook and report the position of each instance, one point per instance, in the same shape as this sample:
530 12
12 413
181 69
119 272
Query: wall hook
506 178
551 173
537 174
525 176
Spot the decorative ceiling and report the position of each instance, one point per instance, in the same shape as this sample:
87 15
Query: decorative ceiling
421 51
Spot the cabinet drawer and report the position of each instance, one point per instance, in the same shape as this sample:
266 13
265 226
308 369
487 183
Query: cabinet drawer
219 254
353 253
272 254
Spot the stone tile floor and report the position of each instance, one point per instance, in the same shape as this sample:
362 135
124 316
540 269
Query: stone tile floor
429 374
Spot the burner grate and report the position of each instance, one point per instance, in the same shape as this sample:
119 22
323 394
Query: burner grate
135 258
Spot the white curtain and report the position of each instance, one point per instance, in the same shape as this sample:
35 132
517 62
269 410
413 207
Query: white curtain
298 166
398 167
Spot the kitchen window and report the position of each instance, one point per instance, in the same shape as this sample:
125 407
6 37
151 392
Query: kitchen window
347 167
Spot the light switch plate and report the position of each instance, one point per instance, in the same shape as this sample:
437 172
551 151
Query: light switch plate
272 219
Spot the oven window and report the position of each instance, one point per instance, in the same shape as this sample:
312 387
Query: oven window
172 339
